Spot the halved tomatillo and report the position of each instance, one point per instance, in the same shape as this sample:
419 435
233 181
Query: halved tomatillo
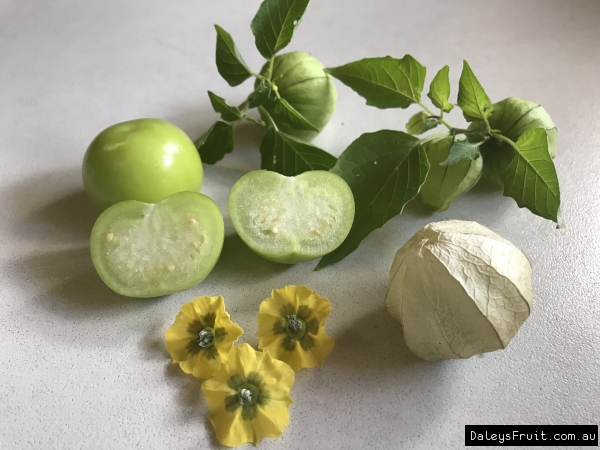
291 219
146 250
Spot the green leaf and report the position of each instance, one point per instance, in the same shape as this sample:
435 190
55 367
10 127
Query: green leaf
530 176
228 113
420 123
286 113
230 63
439 90
385 170
260 95
462 150
472 99
216 142
274 24
289 156
384 82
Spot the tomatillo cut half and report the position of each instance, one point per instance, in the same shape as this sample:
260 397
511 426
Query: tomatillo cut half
291 219
146 250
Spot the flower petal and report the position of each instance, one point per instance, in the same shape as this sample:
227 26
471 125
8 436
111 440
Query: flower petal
278 378
266 418
200 367
266 323
177 344
320 306
272 305
205 362
243 359
202 305
272 420
323 346
290 294
309 307
187 312
232 430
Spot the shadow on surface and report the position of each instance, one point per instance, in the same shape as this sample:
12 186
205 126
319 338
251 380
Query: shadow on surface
416 208
71 286
153 344
191 400
374 342
484 186
73 213
237 258
248 136
54 207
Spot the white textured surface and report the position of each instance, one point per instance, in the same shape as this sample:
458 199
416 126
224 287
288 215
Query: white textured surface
81 367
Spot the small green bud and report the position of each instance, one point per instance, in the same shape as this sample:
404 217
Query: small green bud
300 79
444 184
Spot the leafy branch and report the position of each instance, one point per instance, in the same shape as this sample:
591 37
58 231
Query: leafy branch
273 27
511 142
523 161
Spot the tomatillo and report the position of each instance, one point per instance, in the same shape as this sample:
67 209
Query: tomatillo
146 250
291 219
302 81
145 160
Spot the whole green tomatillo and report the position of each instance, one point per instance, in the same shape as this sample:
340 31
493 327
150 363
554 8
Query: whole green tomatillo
145 160
512 116
300 79
444 184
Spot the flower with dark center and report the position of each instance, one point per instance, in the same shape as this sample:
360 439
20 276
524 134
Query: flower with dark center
201 336
250 397
291 326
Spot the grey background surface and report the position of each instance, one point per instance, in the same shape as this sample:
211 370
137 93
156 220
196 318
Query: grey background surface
81 367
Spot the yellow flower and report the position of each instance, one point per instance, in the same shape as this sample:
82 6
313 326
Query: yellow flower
250 397
202 336
291 326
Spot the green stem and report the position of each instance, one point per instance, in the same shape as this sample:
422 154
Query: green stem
271 62
487 124
507 140
268 116
431 113
244 106
255 122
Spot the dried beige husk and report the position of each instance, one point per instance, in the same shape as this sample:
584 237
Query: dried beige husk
459 289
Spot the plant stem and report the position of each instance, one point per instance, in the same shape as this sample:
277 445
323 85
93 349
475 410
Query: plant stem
271 62
244 107
487 124
507 140
271 121
431 113
255 122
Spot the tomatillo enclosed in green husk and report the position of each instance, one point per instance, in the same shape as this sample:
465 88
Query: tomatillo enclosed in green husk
512 116
301 80
444 184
